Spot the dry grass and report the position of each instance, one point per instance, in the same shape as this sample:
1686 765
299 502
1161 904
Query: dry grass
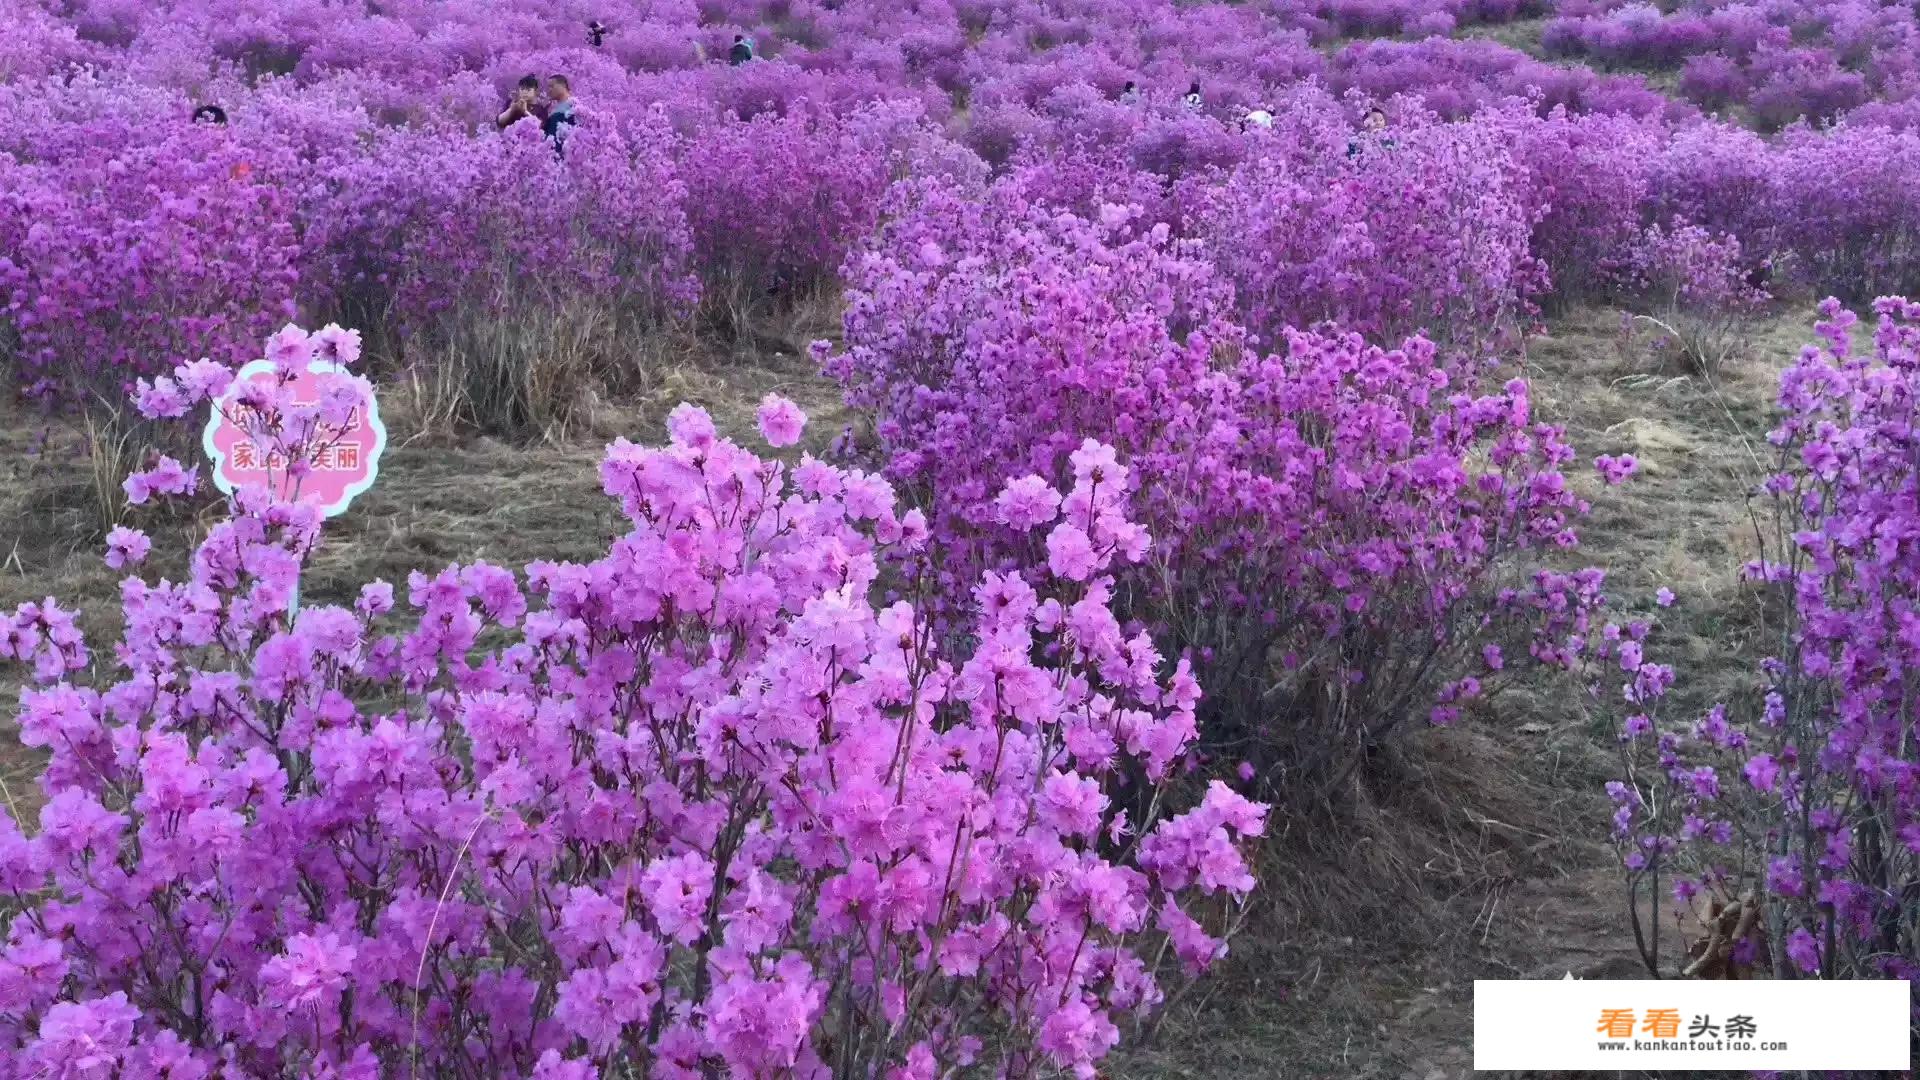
1469 852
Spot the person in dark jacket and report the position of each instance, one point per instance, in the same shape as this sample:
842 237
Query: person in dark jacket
741 52
524 103
561 115
596 34
210 114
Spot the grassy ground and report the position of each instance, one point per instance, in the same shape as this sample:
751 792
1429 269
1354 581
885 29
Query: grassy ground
1521 34
1476 851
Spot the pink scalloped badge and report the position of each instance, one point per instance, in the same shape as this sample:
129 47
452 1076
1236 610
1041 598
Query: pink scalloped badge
346 466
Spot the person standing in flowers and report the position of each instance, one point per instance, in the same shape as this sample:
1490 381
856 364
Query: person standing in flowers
1193 100
524 103
741 52
1373 134
561 111
213 116
1130 94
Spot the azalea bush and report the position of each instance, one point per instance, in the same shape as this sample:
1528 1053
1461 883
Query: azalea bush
1698 290
1793 826
774 204
1423 232
119 260
1335 523
705 803
1457 78
432 227
507 284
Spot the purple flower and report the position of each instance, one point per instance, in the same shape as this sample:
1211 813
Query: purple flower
1616 469
1026 503
781 421
1070 553
127 547
1804 951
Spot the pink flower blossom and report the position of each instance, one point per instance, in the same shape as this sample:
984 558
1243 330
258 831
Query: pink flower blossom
127 547
781 421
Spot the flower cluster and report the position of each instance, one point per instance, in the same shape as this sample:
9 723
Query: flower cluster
1424 232
429 226
114 260
702 804
1344 508
1458 78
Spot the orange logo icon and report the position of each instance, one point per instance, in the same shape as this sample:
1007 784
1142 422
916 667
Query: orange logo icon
1661 1023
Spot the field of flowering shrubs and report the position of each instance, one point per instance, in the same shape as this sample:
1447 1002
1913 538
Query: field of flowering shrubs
1214 477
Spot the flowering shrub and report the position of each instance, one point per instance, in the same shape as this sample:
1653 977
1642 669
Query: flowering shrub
1637 34
507 283
433 225
1799 823
1459 78
774 204
1795 84
1713 81
1786 62
1698 288
1834 206
119 260
1424 232
697 805
1332 521
1590 186
1420 17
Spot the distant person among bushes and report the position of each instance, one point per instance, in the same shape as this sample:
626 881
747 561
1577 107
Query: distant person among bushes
741 52
1193 100
561 114
1257 117
525 103
596 33
1373 133
216 117
1130 94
